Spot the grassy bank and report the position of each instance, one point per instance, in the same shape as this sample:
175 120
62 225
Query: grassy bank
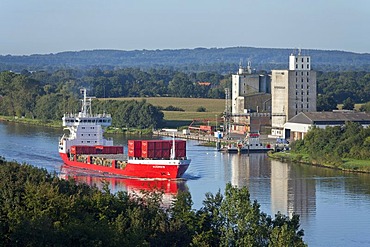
187 104
350 165
29 121
176 119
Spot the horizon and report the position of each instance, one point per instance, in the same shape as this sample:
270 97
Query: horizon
49 27
173 49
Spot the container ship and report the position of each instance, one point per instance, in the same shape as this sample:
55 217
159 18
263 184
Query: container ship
84 146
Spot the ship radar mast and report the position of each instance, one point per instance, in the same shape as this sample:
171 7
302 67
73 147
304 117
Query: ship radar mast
86 103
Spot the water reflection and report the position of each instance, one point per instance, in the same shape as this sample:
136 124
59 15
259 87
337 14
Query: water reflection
286 188
170 188
290 191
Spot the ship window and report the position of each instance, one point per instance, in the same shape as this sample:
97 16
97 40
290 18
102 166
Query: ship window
308 66
88 141
89 134
95 141
302 59
92 128
296 66
308 59
83 128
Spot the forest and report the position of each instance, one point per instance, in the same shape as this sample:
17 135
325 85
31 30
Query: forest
333 144
48 95
39 209
219 60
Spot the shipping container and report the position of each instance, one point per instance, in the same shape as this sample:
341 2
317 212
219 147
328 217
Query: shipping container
147 154
147 145
134 153
134 144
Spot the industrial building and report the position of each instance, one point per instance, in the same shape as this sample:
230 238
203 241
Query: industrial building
292 91
250 93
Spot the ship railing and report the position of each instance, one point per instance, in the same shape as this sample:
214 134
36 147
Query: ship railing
80 114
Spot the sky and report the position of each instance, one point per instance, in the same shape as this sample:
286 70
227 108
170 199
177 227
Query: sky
52 26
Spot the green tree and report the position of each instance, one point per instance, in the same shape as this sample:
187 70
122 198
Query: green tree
348 104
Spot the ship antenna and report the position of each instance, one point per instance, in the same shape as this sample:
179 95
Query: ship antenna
84 102
173 146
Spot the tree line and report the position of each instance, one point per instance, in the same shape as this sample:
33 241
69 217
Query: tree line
40 209
332 144
24 96
220 60
47 95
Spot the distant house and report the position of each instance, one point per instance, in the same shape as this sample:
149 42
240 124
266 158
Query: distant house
204 83
299 125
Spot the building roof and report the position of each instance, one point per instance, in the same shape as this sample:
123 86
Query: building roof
334 117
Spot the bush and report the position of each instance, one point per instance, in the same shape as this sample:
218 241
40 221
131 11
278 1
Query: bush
201 109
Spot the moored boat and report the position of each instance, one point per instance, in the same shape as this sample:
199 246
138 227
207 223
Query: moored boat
251 144
85 147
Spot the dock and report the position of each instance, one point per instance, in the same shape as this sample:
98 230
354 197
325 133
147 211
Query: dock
191 136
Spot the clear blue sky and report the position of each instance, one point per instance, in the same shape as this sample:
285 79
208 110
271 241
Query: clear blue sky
51 26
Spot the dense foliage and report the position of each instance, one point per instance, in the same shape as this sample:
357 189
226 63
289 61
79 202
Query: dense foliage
342 88
39 209
24 96
332 144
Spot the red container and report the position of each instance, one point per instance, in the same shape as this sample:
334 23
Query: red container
147 145
180 144
166 145
158 153
158 145
134 152
147 154
166 154
134 144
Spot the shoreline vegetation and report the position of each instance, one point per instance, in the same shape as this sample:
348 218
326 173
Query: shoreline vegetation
41 209
57 124
348 165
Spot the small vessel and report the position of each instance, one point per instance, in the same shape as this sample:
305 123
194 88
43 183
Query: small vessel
251 144
85 147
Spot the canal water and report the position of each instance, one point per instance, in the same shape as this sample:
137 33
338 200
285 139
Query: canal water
334 206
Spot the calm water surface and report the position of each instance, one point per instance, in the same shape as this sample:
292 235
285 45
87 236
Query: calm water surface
334 206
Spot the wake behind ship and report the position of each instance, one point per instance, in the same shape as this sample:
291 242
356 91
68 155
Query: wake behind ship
85 147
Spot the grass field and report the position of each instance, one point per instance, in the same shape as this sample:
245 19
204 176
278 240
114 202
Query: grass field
188 104
214 107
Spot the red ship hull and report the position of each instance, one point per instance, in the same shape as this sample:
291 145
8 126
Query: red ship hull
168 169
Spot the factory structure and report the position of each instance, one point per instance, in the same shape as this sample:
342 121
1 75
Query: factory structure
265 102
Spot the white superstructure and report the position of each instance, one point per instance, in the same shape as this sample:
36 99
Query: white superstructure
84 127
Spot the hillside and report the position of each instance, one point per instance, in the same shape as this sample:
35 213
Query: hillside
221 60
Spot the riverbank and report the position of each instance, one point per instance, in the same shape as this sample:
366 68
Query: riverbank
350 165
29 121
57 124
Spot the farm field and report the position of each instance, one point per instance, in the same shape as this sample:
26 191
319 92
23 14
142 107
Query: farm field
173 119
188 104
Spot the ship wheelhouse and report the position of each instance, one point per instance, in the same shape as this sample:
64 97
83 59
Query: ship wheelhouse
85 128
